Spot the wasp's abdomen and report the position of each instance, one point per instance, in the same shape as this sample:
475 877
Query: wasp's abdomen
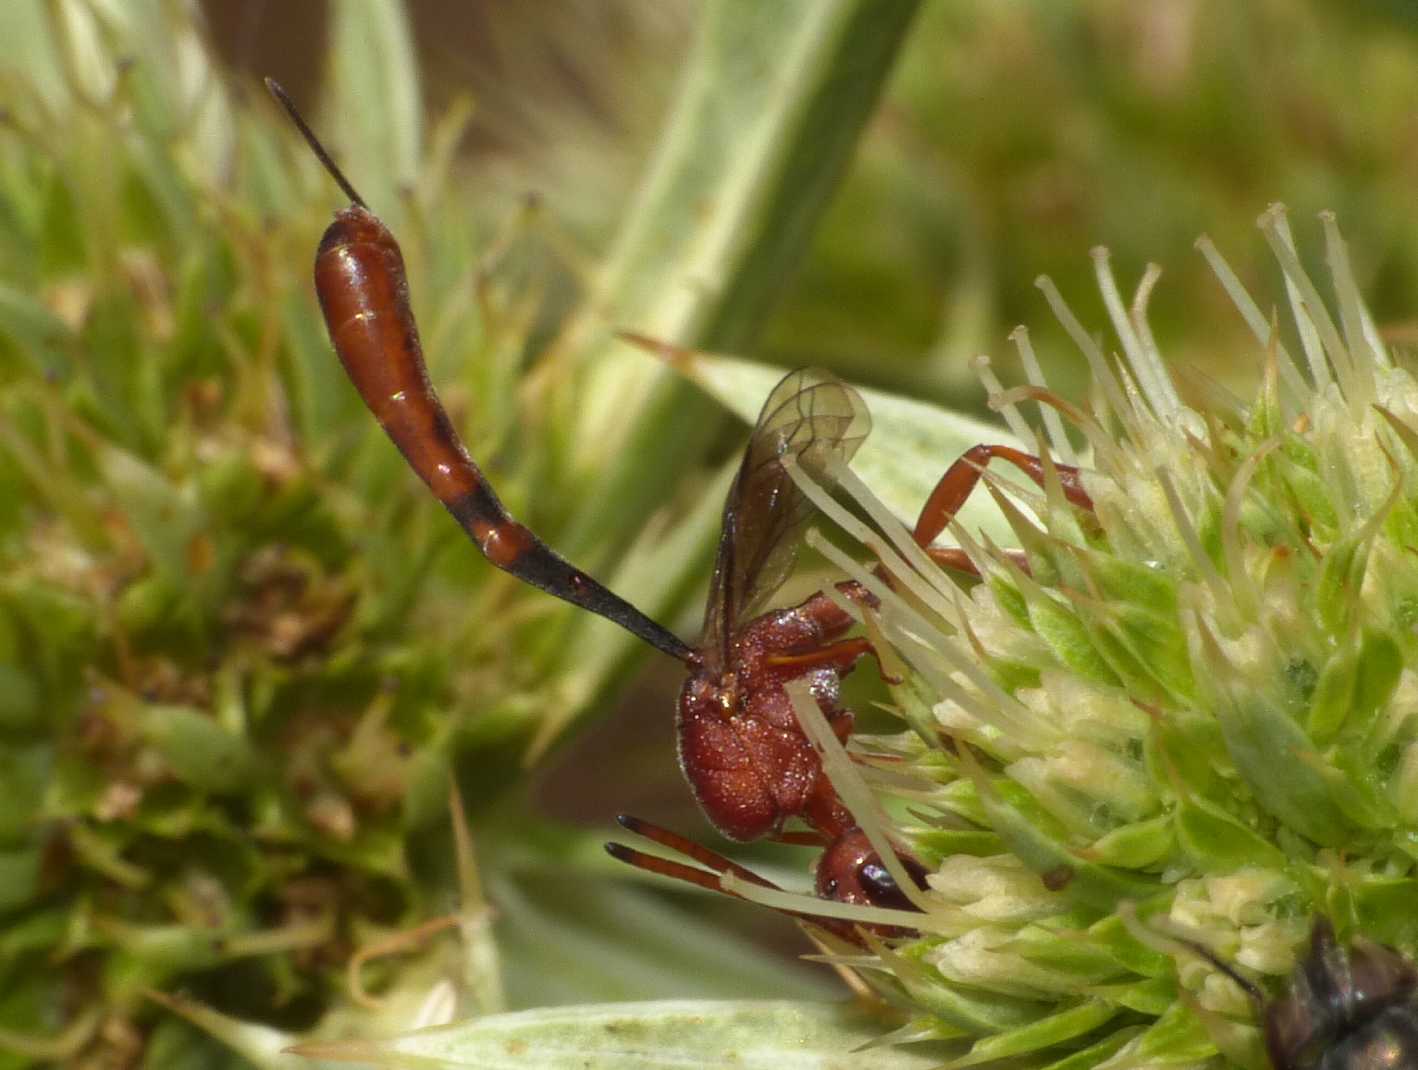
364 294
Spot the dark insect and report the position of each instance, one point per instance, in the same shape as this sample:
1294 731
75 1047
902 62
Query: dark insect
1347 1008
746 759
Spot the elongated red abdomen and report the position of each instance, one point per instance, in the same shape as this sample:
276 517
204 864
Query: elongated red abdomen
364 293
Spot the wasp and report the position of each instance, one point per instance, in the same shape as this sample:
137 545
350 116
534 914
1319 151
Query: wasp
747 761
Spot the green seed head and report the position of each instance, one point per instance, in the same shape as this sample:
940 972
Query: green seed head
1190 720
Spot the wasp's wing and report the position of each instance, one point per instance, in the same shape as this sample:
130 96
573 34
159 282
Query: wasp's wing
811 416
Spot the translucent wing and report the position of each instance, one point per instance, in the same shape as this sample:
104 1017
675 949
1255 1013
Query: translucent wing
812 416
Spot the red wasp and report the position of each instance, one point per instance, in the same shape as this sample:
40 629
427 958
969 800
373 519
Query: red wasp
747 761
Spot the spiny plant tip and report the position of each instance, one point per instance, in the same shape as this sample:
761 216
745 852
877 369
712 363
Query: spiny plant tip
1198 695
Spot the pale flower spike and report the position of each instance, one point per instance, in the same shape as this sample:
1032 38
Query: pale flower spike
1149 375
1058 438
1199 696
980 365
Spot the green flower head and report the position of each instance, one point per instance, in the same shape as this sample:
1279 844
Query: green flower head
1148 751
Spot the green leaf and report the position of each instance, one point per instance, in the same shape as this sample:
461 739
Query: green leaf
1152 996
164 516
1098 1054
1217 842
1334 693
375 108
1032 837
1341 579
1290 779
37 332
1380 666
1135 846
962 1007
1045 1033
199 751
1066 635
1177 1038
769 109
645 1036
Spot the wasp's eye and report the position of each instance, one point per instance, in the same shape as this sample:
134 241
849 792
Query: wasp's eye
880 887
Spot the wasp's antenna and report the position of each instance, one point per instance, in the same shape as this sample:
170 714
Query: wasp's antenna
314 142
1252 990
1153 938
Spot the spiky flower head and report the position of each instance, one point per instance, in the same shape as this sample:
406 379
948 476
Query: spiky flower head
1186 712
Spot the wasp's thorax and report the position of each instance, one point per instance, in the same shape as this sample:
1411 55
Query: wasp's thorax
740 745
748 761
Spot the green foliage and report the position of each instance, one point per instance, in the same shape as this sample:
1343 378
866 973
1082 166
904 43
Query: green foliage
227 739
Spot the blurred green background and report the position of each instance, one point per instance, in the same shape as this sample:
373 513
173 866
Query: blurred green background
1011 138
241 651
